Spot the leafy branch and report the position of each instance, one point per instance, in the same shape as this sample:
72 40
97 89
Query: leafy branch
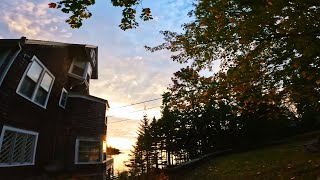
79 11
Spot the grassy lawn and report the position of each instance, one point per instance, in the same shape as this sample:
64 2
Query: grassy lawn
287 161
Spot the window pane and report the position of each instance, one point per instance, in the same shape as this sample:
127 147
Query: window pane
89 151
18 148
64 96
80 64
89 157
41 96
7 146
34 71
77 71
27 87
30 143
4 52
63 100
46 82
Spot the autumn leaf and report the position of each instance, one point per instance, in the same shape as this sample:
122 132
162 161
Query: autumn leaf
73 26
52 5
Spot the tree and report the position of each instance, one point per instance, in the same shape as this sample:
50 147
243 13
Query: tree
79 11
155 135
265 47
141 154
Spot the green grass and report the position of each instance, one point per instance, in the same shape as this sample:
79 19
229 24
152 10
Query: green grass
287 161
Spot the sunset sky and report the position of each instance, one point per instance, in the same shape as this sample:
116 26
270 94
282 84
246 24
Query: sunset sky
127 72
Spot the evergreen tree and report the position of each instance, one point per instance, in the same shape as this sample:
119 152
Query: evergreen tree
140 163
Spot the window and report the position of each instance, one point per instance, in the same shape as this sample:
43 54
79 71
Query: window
4 53
78 68
88 151
17 147
93 56
7 56
81 69
36 83
63 98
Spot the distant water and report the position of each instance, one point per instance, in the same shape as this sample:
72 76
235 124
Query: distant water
120 160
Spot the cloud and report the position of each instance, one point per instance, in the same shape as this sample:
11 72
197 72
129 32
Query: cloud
33 20
21 24
127 73
128 80
138 58
171 14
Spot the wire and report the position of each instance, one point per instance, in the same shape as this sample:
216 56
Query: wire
126 119
144 109
120 121
137 103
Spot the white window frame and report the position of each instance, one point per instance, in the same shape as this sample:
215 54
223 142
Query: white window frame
9 64
4 128
77 151
84 76
63 105
45 70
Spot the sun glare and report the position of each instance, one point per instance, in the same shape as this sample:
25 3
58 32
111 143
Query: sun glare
120 143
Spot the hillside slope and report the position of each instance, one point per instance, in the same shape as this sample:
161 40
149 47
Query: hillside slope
286 161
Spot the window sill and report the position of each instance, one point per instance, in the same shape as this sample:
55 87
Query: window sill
14 165
44 107
63 107
88 163
76 76
79 78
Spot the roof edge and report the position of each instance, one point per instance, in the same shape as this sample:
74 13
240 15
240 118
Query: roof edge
24 40
54 43
89 97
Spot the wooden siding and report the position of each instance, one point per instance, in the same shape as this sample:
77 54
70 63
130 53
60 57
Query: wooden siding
56 130
87 117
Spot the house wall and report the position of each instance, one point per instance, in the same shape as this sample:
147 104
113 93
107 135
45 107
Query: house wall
50 123
87 119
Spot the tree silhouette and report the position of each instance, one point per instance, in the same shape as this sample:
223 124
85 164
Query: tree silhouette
79 11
